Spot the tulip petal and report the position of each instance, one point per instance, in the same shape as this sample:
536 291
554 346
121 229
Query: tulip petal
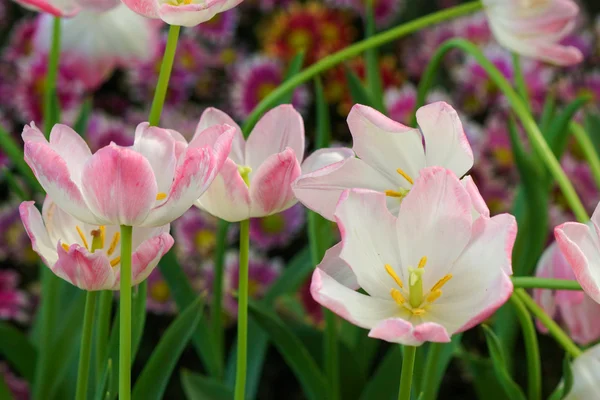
369 240
34 226
87 271
270 186
359 309
119 185
446 144
147 8
325 157
397 330
337 268
147 255
194 13
386 145
277 130
158 146
212 117
480 208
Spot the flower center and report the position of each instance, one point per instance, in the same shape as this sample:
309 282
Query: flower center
159 291
205 241
264 89
178 2
98 242
400 193
245 173
417 302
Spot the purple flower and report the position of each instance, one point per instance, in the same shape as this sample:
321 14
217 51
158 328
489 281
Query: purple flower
17 386
14 242
277 230
13 302
220 29
103 129
196 234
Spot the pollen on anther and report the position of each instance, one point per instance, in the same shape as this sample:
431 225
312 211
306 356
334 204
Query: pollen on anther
392 273
65 246
397 296
115 261
393 193
114 242
422 262
405 176
161 196
441 282
82 236
434 295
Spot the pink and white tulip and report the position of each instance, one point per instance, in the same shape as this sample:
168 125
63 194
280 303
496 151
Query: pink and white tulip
586 374
534 28
580 244
390 157
150 183
573 309
86 255
67 8
102 39
181 12
269 160
428 273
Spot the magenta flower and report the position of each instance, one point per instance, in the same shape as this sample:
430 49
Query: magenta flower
400 103
535 28
67 8
87 255
429 273
181 12
277 230
103 129
196 234
150 183
574 309
18 387
13 302
219 30
256 178
391 156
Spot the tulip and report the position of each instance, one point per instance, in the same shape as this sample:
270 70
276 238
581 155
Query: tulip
148 184
580 244
390 157
428 273
256 178
102 40
586 373
576 311
86 255
181 12
67 8
534 28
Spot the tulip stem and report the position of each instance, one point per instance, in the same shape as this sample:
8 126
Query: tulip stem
102 331
242 323
85 349
530 282
532 349
536 139
588 149
408 366
125 315
559 335
160 93
51 73
353 51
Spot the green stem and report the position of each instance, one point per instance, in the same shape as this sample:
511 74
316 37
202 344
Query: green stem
242 324
530 282
14 152
354 51
50 84
534 368
589 151
408 365
125 315
103 331
520 81
533 132
217 302
433 358
160 94
559 335
85 349
332 354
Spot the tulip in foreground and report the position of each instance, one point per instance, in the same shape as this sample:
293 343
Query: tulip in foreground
86 255
580 244
390 157
534 28
255 181
428 273
586 375
150 183
181 12
67 8
572 308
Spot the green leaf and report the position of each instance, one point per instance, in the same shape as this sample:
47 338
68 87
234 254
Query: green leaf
293 276
13 185
359 94
293 351
564 388
14 152
373 73
5 393
18 351
323 130
184 295
512 390
548 111
592 124
558 133
439 356
383 385
294 67
200 387
81 123
138 310
154 378
484 379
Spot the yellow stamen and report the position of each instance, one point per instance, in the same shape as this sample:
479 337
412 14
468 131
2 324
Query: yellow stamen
114 243
115 261
417 311
434 295
82 236
65 246
397 296
405 176
393 193
392 273
422 262
161 196
441 283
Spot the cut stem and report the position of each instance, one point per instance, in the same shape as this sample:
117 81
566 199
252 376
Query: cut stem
242 323
160 94
530 282
125 315
85 349
51 73
408 365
